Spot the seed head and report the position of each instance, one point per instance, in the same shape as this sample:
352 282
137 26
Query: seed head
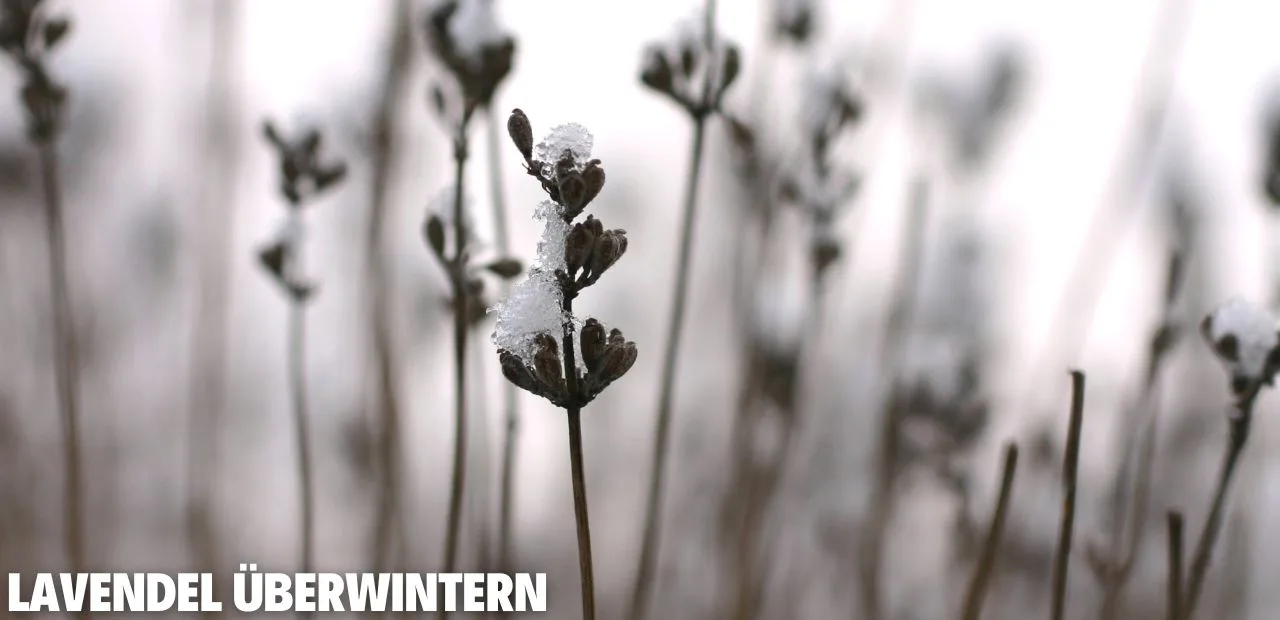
521 133
594 343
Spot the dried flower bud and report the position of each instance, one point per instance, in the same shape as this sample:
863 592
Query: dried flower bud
619 356
825 252
688 59
506 268
433 230
656 73
521 133
578 245
609 248
272 258
730 68
515 370
593 174
594 343
328 177
546 363
573 192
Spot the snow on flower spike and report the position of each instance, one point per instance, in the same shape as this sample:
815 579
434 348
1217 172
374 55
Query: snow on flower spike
1245 340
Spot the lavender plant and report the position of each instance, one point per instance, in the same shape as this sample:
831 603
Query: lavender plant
464 36
542 347
27 36
1246 341
303 178
694 71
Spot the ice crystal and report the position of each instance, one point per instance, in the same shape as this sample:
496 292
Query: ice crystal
571 137
535 303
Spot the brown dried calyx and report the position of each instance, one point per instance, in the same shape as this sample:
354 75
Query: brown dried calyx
302 174
606 356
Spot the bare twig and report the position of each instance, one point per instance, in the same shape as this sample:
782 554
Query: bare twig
1174 519
510 402
208 379
986 564
67 359
1239 435
666 391
1070 467
461 312
302 431
380 315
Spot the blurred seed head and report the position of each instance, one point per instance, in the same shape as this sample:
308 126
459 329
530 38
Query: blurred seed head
691 68
1244 339
468 40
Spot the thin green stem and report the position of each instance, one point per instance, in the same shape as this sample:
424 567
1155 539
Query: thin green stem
982 573
67 359
302 433
1070 469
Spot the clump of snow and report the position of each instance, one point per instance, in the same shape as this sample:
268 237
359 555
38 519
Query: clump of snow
292 229
475 28
535 303
1254 331
571 137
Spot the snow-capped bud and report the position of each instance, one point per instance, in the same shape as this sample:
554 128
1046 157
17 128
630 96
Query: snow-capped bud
521 133
594 343
1245 340
656 72
546 363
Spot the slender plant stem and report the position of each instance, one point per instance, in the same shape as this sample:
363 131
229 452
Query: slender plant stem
207 383
1213 525
580 514
302 431
511 403
874 532
986 563
67 359
1175 564
461 299
380 315
1070 468
666 391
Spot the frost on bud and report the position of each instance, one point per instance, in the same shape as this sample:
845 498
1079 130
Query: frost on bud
521 133
1245 340
546 363
594 342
